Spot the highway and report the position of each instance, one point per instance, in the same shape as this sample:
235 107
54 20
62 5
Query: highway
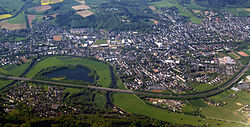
237 77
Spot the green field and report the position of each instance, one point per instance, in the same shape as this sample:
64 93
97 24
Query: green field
163 3
228 111
101 41
132 104
95 3
101 69
11 6
13 70
182 10
224 113
20 18
202 87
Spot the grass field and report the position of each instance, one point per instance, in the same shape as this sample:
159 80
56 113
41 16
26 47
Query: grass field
133 104
163 3
102 70
12 70
100 100
11 6
4 16
202 87
101 41
182 10
95 3
20 18
228 111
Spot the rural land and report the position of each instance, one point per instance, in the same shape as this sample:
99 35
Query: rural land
112 63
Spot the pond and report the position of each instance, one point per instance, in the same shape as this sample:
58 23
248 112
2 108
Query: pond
78 73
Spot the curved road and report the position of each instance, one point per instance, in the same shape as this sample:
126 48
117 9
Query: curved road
237 77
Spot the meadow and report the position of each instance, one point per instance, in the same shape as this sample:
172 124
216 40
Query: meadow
20 18
13 70
132 104
11 6
182 9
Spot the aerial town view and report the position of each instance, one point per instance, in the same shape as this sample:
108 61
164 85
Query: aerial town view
125 63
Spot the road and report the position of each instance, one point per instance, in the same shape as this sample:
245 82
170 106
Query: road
237 77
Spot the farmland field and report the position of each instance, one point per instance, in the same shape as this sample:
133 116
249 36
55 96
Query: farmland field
4 16
9 26
85 13
101 69
20 18
46 2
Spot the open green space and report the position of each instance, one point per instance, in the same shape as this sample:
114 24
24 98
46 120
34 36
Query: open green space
13 70
132 104
101 41
20 18
94 3
102 69
163 3
230 110
199 87
11 6
3 83
182 9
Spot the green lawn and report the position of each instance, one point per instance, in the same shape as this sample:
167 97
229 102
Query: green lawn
20 18
102 70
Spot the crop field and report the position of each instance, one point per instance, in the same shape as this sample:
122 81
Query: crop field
85 13
42 8
9 26
19 19
4 16
82 6
46 2
102 70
